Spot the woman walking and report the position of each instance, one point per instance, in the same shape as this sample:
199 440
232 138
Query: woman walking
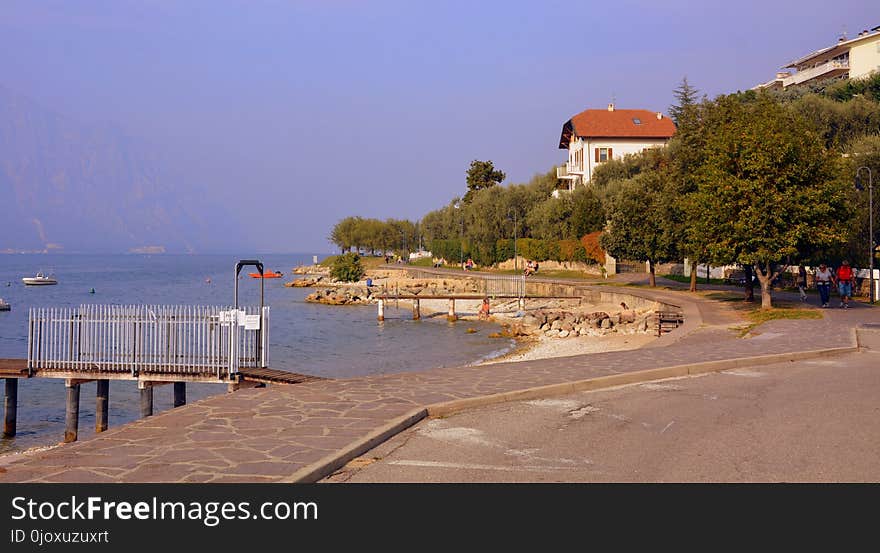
824 276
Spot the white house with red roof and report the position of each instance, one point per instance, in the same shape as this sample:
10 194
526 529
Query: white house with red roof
594 136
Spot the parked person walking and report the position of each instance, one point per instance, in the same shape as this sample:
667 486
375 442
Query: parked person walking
824 277
844 283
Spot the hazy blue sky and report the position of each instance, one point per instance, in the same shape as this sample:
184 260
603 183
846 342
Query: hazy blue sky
302 112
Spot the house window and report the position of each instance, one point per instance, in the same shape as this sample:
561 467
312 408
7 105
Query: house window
602 154
637 121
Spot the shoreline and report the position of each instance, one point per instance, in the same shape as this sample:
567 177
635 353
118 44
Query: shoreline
536 346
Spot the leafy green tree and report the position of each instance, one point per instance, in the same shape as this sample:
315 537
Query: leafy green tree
767 189
347 268
481 175
637 225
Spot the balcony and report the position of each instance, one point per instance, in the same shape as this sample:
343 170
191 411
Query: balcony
566 173
827 70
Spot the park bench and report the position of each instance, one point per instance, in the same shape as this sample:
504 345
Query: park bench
667 319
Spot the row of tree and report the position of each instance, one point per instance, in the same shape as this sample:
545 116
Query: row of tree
761 179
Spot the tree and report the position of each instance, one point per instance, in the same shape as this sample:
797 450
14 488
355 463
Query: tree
481 175
767 189
637 225
686 95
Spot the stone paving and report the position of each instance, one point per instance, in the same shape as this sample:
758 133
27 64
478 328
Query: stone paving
268 434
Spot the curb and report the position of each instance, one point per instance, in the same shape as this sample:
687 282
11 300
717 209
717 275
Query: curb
326 466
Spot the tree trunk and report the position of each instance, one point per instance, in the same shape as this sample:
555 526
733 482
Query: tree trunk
693 287
750 287
765 278
651 278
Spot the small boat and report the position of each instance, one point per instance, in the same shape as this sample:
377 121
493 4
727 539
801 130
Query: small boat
4 306
267 274
39 279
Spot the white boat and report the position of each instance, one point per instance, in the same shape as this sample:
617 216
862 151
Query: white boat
4 306
39 279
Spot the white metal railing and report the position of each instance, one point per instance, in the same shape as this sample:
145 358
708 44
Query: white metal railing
567 172
813 72
135 339
505 285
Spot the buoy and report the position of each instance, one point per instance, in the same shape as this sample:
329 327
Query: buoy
92 291
208 280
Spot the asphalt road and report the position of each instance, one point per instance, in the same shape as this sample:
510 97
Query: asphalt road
806 421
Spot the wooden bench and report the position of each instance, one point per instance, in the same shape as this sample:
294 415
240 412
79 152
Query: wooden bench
667 320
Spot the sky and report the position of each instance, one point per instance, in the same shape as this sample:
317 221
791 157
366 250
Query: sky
301 112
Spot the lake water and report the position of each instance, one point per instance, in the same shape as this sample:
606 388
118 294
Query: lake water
332 341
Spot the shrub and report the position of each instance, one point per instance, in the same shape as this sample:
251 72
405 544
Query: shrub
347 268
592 248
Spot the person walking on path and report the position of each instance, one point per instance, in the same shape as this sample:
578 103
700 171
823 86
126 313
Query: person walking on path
844 283
824 276
802 282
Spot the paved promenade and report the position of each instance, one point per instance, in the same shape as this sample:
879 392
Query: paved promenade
303 432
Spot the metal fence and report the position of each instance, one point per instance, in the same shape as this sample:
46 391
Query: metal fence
135 339
505 285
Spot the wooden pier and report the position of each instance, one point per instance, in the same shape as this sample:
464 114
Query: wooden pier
12 370
451 314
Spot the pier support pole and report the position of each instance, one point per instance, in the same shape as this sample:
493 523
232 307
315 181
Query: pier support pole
72 420
381 316
146 399
102 405
10 407
179 394
522 303
416 314
451 316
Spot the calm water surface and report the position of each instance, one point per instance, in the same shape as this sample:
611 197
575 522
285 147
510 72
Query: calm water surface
305 338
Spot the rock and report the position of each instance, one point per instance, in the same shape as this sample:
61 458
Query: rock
606 323
567 327
552 333
563 333
530 320
556 325
628 316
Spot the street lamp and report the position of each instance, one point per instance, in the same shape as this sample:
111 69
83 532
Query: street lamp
859 186
509 210
457 205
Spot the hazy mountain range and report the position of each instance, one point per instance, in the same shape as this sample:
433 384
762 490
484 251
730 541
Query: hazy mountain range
72 187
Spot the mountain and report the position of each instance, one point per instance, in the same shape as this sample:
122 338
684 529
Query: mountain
72 187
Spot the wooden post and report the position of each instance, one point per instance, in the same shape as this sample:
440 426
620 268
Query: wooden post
522 303
72 420
179 394
451 316
416 314
381 316
10 407
102 405
146 399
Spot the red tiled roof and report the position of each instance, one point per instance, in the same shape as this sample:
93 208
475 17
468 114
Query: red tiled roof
601 123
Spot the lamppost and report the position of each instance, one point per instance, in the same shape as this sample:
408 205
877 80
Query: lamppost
457 205
515 266
859 186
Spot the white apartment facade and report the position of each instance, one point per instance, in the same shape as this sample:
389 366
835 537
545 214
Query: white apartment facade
854 58
595 136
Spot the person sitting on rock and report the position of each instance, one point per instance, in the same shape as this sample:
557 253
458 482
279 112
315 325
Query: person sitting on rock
484 310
